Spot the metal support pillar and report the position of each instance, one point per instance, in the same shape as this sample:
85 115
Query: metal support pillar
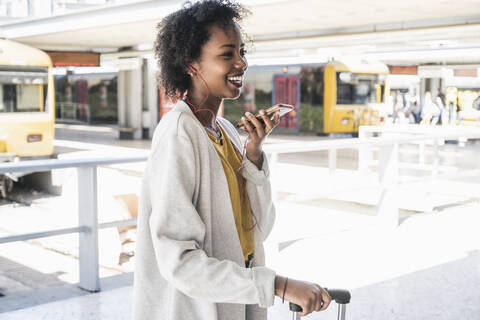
342 308
332 160
365 152
435 157
87 217
388 177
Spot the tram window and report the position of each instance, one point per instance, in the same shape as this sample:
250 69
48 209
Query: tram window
21 98
344 93
356 88
22 88
29 98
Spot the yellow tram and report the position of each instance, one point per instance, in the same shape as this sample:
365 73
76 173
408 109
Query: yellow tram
354 95
27 112
27 106
333 97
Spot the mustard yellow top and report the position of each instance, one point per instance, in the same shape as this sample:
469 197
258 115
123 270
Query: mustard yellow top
231 162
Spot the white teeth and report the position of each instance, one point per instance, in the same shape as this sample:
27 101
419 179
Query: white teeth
235 79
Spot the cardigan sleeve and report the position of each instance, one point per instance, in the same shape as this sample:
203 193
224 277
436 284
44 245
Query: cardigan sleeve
177 232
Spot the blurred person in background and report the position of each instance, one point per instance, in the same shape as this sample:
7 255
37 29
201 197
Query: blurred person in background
451 102
415 110
206 206
397 105
430 111
389 107
440 103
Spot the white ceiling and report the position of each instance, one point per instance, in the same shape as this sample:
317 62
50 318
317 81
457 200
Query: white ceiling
402 31
322 14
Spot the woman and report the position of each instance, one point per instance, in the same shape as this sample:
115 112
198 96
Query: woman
205 208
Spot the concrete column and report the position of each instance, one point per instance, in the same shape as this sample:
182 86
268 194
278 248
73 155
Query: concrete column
130 99
121 102
134 102
150 96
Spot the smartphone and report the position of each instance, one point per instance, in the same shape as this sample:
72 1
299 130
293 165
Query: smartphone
283 108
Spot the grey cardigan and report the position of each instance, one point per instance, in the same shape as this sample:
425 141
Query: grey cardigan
189 262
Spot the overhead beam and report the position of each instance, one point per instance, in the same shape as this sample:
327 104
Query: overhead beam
371 38
373 28
90 18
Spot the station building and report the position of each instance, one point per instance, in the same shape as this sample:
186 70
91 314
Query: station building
105 71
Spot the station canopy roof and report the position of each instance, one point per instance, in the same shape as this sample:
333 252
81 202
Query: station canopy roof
399 31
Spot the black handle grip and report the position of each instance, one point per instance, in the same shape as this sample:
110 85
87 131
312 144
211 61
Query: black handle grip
295 307
338 295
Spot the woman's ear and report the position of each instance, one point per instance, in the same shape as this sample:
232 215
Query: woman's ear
191 70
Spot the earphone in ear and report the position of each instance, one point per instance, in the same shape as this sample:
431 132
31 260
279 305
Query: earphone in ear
192 68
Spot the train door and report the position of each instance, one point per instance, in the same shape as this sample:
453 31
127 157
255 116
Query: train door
286 89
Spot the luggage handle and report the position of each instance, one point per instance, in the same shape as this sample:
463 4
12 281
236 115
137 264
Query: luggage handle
340 296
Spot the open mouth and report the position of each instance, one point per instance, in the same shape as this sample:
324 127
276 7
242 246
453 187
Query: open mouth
236 80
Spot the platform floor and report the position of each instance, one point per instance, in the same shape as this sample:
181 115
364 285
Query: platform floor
426 268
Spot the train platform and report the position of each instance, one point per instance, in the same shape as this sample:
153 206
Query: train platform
426 268
434 258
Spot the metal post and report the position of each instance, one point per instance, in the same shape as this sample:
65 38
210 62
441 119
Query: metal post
87 217
435 157
365 151
342 308
388 177
332 160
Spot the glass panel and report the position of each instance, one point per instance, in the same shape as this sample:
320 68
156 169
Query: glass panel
89 98
311 99
311 89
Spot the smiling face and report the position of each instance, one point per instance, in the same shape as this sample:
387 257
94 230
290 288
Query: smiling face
222 65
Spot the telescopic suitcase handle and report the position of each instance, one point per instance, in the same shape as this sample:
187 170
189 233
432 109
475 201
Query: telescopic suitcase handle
342 297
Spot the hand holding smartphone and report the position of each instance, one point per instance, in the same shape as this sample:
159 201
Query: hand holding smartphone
283 108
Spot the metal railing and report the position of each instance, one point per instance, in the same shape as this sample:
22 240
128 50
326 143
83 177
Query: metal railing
387 139
88 226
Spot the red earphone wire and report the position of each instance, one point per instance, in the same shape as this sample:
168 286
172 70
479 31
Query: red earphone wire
196 110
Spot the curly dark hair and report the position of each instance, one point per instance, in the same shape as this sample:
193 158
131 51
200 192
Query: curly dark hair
181 36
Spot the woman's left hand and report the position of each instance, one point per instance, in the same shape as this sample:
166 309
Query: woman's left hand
257 133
